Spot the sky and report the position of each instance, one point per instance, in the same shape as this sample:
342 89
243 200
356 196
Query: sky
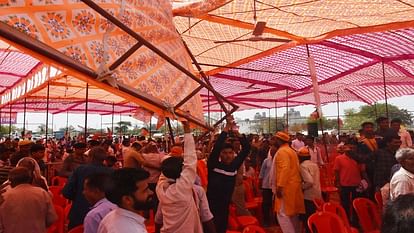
33 120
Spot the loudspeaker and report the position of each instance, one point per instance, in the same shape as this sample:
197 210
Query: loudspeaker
313 129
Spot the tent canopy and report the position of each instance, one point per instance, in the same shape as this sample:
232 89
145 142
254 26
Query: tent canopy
351 42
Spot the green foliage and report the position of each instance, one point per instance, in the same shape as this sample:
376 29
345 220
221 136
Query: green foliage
327 123
354 118
123 126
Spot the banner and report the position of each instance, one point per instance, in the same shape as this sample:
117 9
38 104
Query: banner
6 119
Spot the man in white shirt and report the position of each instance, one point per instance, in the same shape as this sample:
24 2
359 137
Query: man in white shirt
405 136
132 195
175 190
402 182
311 185
314 150
298 142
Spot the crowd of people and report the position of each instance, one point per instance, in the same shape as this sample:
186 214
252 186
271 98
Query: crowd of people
192 185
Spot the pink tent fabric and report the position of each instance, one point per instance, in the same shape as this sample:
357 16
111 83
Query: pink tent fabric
350 66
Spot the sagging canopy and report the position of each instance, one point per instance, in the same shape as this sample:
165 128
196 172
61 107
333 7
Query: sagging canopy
81 33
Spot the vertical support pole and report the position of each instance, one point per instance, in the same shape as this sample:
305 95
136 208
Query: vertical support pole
53 117
24 117
67 122
171 130
101 126
86 111
208 107
10 121
113 113
287 110
375 109
120 125
47 108
337 108
385 90
1 127
276 115
269 121
150 128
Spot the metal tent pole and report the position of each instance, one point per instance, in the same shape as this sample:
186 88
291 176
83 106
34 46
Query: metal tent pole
375 109
101 126
276 114
24 117
208 107
337 108
113 113
171 130
10 128
47 108
86 111
1 119
53 117
150 128
269 121
287 110
385 90
67 122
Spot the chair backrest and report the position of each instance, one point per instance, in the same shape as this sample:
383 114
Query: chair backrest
78 229
368 215
248 190
318 203
378 199
55 190
337 209
325 222
253 229
58 181
59 225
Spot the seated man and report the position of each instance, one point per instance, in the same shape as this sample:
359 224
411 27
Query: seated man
94 189
25 208
175 190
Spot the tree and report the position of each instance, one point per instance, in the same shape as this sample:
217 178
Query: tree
123 126
354 118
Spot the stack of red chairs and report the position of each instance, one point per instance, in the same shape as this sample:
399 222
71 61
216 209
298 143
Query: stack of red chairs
240 222
327 179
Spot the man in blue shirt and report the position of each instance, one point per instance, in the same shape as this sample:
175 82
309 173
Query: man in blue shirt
94 189
74 187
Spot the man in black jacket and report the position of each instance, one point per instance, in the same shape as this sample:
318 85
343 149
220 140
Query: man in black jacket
222 170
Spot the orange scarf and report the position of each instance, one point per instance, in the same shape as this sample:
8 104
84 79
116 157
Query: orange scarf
371 143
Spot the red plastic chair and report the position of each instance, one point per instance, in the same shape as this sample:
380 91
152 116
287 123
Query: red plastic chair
253 229
58 181
380 203
243 221
67 210
337 209
59 225
78 229
318 203
367 211
58 199
325 222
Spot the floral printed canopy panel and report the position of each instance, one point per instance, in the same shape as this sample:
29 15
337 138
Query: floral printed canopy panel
73 28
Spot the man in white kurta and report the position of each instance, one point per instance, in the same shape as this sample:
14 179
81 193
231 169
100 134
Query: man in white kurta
176 196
